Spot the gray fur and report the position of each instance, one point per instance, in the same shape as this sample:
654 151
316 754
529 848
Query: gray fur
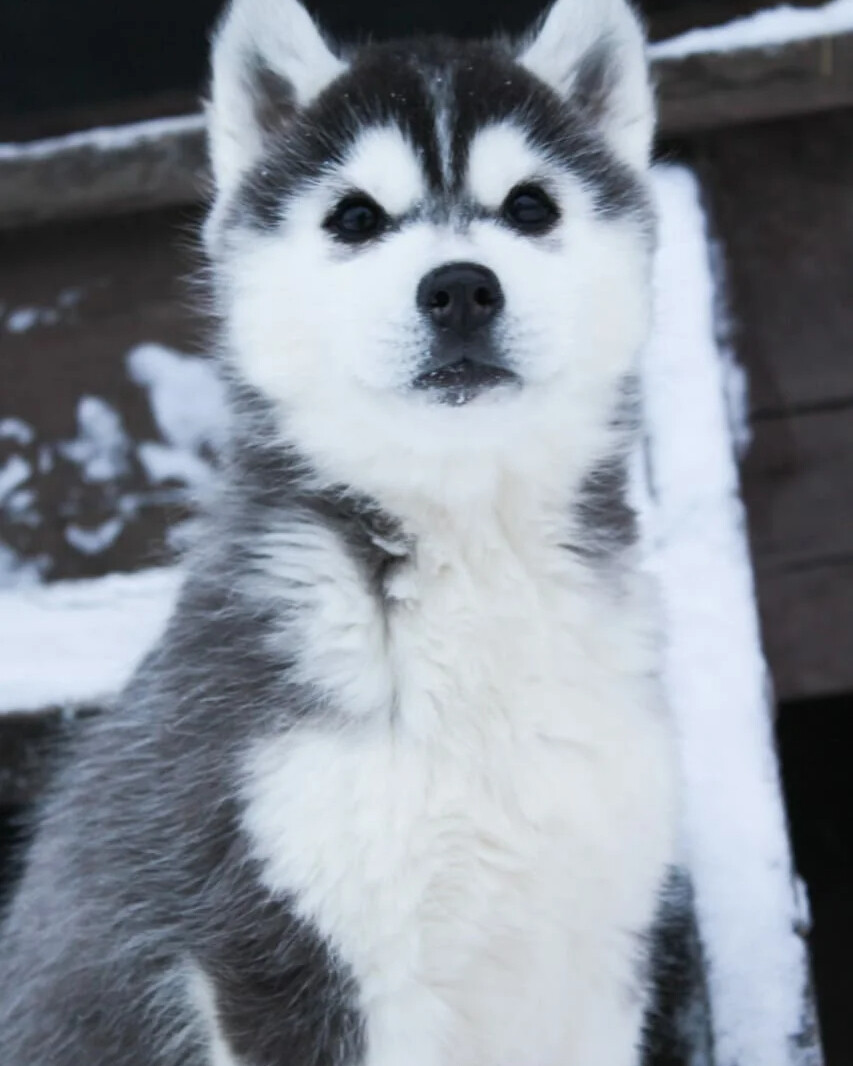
140 871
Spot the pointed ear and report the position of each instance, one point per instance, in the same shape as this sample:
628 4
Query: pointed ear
268 60
593 53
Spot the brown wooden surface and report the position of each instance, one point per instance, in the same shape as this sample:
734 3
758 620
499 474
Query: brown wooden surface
730 88
697 92
99 289
86 176
807 619
781 196
799 475
782 199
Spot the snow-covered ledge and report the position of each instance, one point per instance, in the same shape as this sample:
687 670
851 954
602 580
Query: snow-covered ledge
76 643
770 28
751 914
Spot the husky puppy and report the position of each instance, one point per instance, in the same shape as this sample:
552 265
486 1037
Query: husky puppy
396 788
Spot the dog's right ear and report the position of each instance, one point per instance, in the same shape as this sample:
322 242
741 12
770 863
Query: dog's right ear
269 60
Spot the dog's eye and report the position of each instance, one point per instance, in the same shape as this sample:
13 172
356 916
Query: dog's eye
530 209
356 219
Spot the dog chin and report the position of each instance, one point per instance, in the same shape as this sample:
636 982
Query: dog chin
464 381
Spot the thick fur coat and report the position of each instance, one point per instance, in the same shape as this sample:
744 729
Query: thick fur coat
396 788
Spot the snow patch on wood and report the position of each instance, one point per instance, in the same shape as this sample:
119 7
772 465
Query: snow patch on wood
766 29
105 138
716 677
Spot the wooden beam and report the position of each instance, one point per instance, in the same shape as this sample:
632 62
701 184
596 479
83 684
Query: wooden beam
163 163
780 199
713 89
807 616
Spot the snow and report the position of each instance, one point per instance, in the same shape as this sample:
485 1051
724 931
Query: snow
765 29
105 138
15 574
735 832
69 298
163 463
102 447
23 320
77 642
95 540
17 430
13 473
187 398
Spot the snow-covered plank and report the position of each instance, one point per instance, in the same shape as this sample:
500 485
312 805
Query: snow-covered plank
779 62
766 29
707 90
139 166
751 915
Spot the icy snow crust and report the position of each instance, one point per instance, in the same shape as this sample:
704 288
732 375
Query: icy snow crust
765 29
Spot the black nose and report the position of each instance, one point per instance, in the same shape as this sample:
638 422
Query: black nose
462 297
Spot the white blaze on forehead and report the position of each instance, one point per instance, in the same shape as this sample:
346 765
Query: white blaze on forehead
499 159
384 165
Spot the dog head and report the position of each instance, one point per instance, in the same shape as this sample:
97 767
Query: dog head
434 256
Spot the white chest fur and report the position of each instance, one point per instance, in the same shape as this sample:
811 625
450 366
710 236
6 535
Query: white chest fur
483 833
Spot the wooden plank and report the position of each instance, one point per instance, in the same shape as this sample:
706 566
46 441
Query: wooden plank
733 88
807 618
63 118
147 166
127 168
797 478
781 203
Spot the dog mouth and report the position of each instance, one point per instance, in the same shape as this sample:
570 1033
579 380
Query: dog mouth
460 382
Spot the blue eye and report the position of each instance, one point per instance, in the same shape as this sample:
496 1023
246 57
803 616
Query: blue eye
356 219
529 209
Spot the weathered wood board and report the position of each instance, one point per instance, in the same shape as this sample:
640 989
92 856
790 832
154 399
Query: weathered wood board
807 618
730 88
781 196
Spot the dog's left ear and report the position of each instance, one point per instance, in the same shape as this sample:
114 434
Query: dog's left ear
593 53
